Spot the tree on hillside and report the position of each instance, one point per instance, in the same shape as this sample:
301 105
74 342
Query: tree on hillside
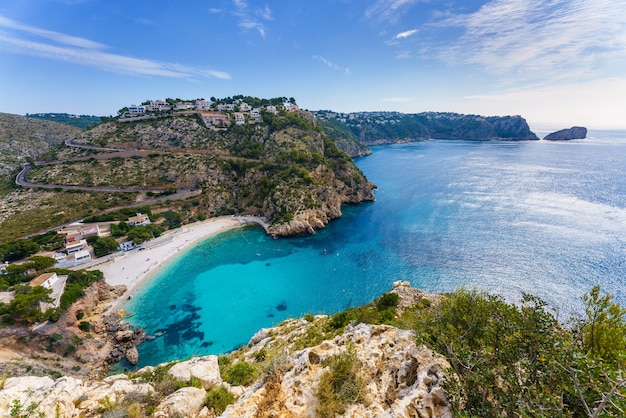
104 246
26 305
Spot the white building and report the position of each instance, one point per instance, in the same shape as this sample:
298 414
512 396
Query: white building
203 104
134 109
255 114
139 220
240 118
75 246
126 246
46 280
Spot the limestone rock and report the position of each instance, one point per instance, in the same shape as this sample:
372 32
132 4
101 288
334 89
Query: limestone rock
205 369
185 402
132 355
575 132
410 296
403 379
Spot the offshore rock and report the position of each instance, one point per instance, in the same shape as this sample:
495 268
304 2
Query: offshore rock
575 132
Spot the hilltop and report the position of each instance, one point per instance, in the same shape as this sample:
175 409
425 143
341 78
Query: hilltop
282 167
22 137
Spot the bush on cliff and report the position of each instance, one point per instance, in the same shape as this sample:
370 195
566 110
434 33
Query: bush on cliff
519 361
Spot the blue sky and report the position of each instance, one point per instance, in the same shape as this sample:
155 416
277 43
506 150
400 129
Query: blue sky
556 62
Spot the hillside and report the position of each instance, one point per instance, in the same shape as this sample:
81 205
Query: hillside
283 168
376 128
22 137
79 121
405 354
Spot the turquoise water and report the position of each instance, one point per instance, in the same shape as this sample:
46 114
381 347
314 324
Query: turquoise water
547 218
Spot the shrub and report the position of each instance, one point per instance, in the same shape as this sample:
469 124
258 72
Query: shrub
84 326
240 374
341 385
218 399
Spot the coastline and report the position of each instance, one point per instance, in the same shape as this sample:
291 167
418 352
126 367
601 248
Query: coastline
133 268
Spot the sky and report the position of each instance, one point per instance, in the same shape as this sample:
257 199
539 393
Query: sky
558 63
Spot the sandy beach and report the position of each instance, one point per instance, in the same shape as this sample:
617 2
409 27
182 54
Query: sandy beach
132 268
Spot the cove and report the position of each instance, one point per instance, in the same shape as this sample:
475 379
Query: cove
547 218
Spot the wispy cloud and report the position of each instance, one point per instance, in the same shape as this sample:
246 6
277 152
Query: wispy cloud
538 38
88 53
50 35
406 34
331 64
389 10
252 19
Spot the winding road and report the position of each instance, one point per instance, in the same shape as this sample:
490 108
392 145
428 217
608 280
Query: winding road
21 180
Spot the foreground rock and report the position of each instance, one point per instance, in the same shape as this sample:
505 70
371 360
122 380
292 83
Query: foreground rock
402 379
575 132
397 378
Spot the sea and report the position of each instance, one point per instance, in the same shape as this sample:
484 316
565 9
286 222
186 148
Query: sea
538 217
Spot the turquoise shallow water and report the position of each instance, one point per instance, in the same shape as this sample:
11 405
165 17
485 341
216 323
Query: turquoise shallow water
548 218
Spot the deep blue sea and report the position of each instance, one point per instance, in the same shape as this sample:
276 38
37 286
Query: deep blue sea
547 218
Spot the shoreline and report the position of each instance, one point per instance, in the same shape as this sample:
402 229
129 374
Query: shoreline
133 268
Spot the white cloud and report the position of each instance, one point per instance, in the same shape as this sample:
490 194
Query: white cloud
538 39
406 34
88 53
252 20
388 10
331 64
53 36
597 104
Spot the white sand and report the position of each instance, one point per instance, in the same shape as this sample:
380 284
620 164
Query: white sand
131 268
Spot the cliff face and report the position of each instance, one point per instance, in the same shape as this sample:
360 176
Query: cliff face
284 169
575 132
399 379
377 128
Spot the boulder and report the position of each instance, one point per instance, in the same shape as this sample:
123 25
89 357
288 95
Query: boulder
132 355
205 369
185 402
575 132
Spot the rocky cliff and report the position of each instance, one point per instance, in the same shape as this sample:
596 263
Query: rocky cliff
397 377
376 128
575 132
284 169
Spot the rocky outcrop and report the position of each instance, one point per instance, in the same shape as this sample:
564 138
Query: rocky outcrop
402 379
409 296
205 369
575 132
398 378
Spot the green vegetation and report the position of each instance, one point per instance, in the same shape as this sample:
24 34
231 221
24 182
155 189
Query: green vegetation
341 385
79 121
19 273
104 246
18 250
519 361
26 304
139 234
217 399
239 374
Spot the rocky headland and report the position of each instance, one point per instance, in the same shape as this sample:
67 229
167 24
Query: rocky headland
575 132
